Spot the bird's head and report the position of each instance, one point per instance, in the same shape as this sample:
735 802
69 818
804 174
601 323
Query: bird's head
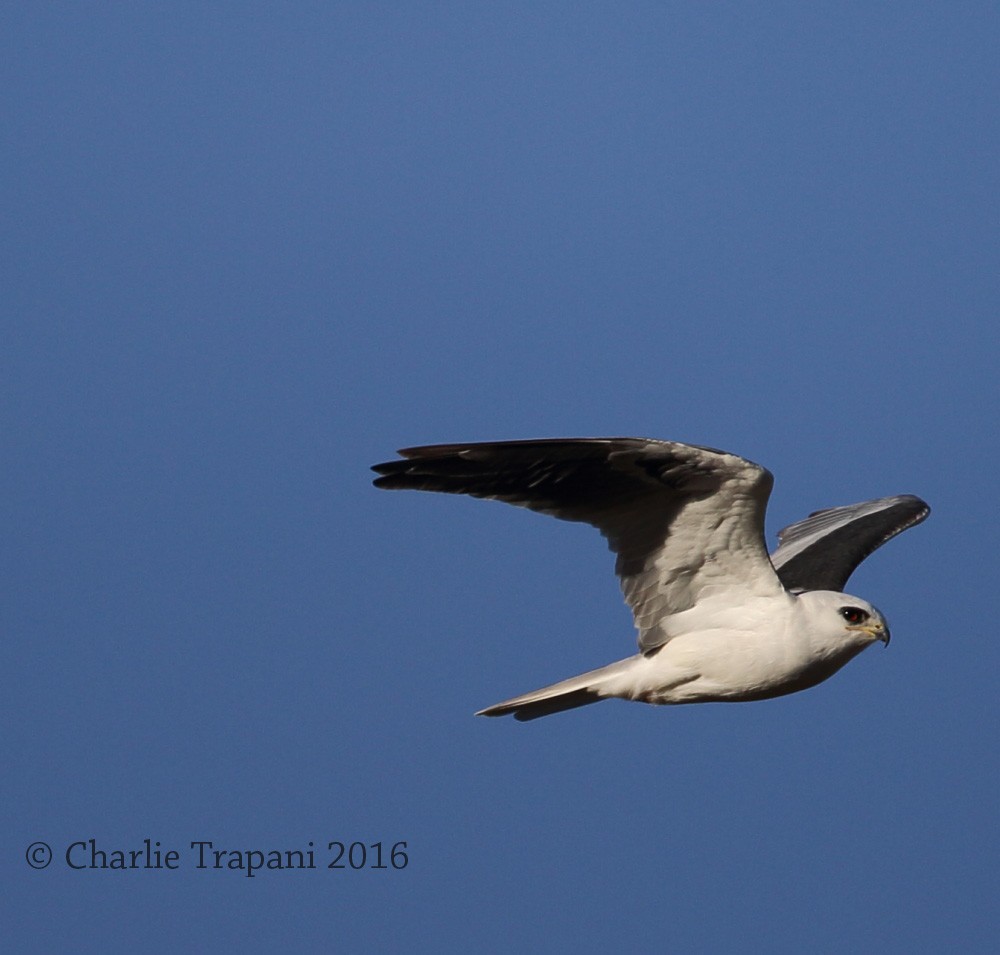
849 620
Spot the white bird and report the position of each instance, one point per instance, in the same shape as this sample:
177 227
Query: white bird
718 619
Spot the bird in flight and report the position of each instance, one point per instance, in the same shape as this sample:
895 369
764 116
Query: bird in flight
719 619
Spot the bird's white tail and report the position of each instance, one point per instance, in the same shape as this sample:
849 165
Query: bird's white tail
568 694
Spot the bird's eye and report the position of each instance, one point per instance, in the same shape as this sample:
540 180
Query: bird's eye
854 614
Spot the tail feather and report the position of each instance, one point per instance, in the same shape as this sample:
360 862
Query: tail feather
568 694
553 704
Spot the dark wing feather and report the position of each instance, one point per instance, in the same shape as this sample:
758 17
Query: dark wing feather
821 552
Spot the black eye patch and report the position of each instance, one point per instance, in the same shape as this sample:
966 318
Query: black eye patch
854 615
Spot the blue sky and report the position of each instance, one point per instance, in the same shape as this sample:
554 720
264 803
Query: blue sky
249 250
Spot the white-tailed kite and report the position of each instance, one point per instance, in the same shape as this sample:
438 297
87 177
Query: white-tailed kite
718 619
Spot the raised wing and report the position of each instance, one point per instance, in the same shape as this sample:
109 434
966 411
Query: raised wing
680 518
821 552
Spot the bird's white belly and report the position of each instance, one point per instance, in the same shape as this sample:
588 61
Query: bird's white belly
737 655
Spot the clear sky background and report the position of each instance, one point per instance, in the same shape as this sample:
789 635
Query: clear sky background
250 249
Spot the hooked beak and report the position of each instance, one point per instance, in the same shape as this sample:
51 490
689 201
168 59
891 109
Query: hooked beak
877 631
